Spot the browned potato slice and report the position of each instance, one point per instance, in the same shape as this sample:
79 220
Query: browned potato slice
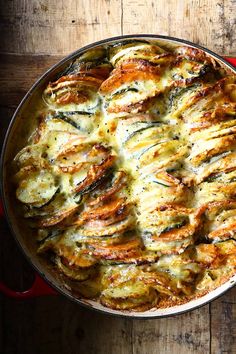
94 175
163 246
31 155
56 218
224 164
37 188
75 273
125 251
221 220
101 195
131 70
104 230
139 49
205 150
215 191
130 296
218 255
72 91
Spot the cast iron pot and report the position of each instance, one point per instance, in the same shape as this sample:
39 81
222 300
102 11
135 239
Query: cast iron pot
16 138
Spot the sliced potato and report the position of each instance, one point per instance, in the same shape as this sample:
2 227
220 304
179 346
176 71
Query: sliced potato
37 189
139 49
134 296
75 273
118 227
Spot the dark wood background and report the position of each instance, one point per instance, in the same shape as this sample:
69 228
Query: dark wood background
34 35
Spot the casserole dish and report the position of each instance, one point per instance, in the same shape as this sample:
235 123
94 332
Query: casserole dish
20 126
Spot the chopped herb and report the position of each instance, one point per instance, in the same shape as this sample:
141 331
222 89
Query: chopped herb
174 226
121 92
162 184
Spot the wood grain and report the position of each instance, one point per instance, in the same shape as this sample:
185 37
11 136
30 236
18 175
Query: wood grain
186 334
223 324
60 326
207 22
35 35
58 27
18 73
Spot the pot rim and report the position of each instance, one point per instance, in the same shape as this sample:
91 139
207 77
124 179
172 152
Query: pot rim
118 313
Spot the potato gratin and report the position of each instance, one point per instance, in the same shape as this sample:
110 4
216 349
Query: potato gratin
130 177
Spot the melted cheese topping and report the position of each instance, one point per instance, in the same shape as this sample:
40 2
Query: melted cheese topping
130 177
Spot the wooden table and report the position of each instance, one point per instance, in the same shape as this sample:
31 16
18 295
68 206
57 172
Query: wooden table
35 35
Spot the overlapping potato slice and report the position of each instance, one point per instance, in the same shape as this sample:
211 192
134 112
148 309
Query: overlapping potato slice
73 93
186 71
169 229
217 254
215 191
134 82
93 63
192 63
128 129
52 144
70 259
53 122
144 288
31 155
195 54
107 190
74 272
95 175
204 151
153 144
81 123
71 163
210 105
130 84
182 269
218 130
218 261
221 220
159 155
101 229
128 250
134 296
213 135
219 165
160 189
146 136
77 90
36 188
74 158
140 75
66 244
141 49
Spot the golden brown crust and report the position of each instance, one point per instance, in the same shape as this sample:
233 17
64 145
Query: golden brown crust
131 70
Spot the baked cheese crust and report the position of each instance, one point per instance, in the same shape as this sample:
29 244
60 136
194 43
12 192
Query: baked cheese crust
130 177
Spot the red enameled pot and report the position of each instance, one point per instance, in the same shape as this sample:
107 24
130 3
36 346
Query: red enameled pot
47 281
